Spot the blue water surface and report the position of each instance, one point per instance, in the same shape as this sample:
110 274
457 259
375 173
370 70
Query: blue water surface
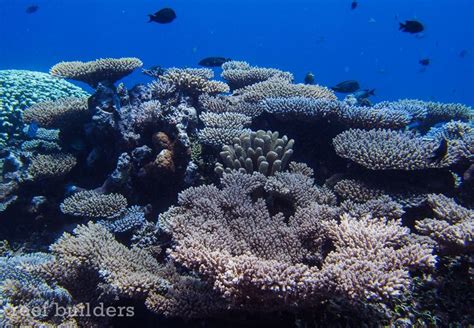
322 36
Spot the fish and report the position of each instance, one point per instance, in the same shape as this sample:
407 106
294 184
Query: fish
154 71
468 175
362 94
32 130
213 61
424 61
354 5
32 9
440 152
411 26
163 16
309 78
346 86
463 53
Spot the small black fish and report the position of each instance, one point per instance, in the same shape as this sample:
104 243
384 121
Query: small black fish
424 61
366 93
32 9
411 26
463 53
213 61
440 152
309 78
354 5
164 16
346 86
32 130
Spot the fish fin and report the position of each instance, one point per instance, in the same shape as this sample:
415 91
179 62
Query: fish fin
402 26
372 92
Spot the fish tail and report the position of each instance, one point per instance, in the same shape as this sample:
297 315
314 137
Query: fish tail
402 26
150 17
372 92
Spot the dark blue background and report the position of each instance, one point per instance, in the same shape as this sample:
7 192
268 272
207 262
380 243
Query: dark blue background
324 37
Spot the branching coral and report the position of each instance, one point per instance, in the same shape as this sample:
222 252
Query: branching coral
241 74
193 82
260 261
258 151
280 88
133 218
21 89
60 114
107 70
381 207
361 191
130 273
391 150
50 166
91 204
229 104
453 227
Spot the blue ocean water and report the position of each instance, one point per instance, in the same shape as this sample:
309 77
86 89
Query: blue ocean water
325 37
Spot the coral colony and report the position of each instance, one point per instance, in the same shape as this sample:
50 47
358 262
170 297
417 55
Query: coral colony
251 196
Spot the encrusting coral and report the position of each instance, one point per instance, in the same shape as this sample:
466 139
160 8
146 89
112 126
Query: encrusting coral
259 151
107 70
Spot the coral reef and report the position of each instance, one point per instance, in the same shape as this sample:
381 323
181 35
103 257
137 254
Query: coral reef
20 89
453 227
91 204
107 70
371 224
259 151
60 114
391 150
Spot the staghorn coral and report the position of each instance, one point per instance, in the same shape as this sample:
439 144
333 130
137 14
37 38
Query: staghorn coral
258 151
91 204
21 289
453 225
280 88
240 74
264 262
371 258
47 166
391 150
106 70
60 114
130 273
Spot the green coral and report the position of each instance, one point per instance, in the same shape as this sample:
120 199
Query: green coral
20 89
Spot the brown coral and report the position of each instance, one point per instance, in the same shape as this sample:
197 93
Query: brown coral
107 70
192 83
